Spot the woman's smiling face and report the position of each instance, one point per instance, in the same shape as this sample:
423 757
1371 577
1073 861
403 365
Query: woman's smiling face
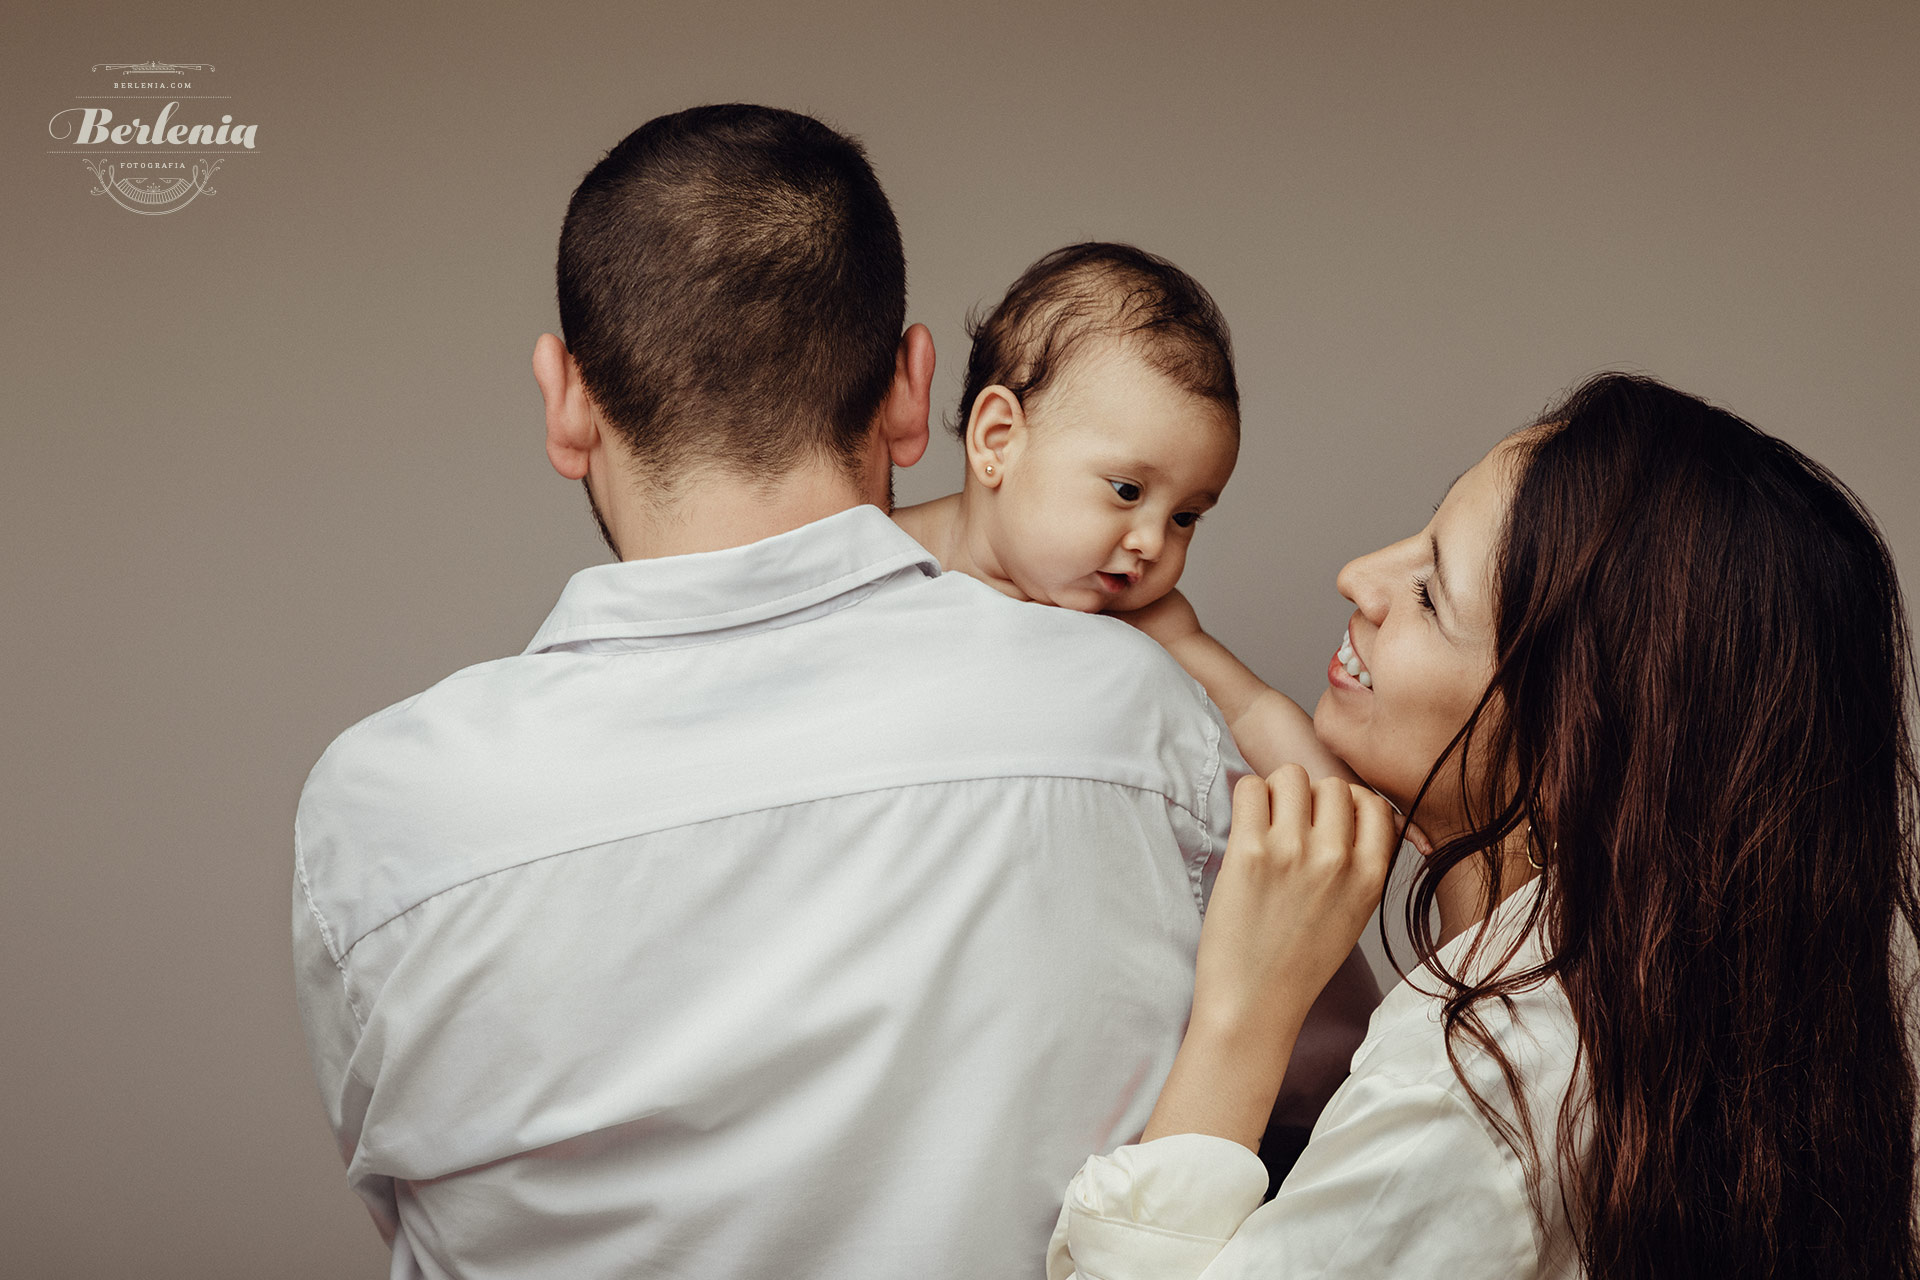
1422 636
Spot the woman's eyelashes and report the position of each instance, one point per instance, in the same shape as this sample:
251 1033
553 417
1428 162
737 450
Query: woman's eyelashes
1421 593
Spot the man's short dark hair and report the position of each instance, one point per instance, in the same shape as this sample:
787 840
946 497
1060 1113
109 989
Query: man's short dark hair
732 285
1098 289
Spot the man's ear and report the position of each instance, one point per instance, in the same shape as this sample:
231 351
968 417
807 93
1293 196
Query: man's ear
994 427
902 420
572 431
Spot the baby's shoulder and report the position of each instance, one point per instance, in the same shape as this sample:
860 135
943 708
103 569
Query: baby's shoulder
928 523
1061 643
1048 664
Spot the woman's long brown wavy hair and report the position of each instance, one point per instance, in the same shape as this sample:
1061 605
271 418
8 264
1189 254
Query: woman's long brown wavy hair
1699 718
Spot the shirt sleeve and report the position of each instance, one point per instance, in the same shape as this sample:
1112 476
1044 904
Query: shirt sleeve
333 1033
1161 1209
1401 1180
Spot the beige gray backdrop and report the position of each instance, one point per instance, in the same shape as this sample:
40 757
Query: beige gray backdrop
274 461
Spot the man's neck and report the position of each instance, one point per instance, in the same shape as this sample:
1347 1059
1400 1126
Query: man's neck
715 510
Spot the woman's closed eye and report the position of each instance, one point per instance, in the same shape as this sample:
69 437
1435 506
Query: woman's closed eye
1421 593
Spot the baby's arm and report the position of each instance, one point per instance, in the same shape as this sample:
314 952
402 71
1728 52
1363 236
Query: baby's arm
1269 727
1271 730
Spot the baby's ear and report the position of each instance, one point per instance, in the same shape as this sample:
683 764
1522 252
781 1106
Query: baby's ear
994 427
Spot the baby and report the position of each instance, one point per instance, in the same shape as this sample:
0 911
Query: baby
1101 420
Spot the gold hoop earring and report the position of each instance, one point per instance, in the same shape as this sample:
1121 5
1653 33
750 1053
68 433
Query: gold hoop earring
1532 861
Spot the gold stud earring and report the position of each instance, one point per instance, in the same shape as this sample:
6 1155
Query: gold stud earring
989 468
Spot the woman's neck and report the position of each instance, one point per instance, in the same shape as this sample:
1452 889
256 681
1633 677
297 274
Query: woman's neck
1461 899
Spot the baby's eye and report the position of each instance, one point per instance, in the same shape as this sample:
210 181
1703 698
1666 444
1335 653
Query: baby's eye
1127 490
1186 519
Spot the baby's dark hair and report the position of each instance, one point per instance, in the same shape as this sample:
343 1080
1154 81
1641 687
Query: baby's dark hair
1100 290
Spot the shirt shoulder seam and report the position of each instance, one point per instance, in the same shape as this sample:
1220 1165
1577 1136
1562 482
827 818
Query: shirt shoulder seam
340 956
327 939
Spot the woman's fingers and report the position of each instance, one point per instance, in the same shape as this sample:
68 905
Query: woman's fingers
1374 839
1333 818
1292 812
1252 809
1304 866
1288 816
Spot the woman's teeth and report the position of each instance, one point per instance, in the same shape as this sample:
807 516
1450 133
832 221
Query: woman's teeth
1351 660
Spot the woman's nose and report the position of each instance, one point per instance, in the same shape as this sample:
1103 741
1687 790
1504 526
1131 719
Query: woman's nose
1366 581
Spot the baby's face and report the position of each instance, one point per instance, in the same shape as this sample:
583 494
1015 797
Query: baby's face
1101 494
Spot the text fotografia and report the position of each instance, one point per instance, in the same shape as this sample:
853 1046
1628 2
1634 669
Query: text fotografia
96 128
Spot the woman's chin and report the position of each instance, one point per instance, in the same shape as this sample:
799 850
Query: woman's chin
1327 728
1333 726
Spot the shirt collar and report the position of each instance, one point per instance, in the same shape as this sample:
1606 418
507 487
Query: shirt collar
1503 928
710 590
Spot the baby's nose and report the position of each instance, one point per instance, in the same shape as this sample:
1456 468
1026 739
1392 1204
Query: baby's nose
1144 540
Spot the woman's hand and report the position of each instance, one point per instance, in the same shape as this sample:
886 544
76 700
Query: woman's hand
1304 869
1305 866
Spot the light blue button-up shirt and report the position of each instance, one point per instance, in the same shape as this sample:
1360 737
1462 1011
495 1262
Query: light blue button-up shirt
788 910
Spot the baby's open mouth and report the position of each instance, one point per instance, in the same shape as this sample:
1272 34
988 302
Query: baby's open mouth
1114 582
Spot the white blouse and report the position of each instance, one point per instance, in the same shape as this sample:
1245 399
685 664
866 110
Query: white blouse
1403 1176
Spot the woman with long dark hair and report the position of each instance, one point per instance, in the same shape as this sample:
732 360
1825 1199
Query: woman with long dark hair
1643 682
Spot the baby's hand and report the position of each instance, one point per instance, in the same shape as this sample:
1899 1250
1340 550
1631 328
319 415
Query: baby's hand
1168 619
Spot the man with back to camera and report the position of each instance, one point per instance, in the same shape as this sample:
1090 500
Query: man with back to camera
787 908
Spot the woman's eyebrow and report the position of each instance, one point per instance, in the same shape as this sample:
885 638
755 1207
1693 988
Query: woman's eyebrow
1433 541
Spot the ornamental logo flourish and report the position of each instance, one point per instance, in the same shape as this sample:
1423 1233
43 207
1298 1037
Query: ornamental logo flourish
152 161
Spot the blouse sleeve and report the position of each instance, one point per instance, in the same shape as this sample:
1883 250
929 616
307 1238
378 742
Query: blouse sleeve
1400 1179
